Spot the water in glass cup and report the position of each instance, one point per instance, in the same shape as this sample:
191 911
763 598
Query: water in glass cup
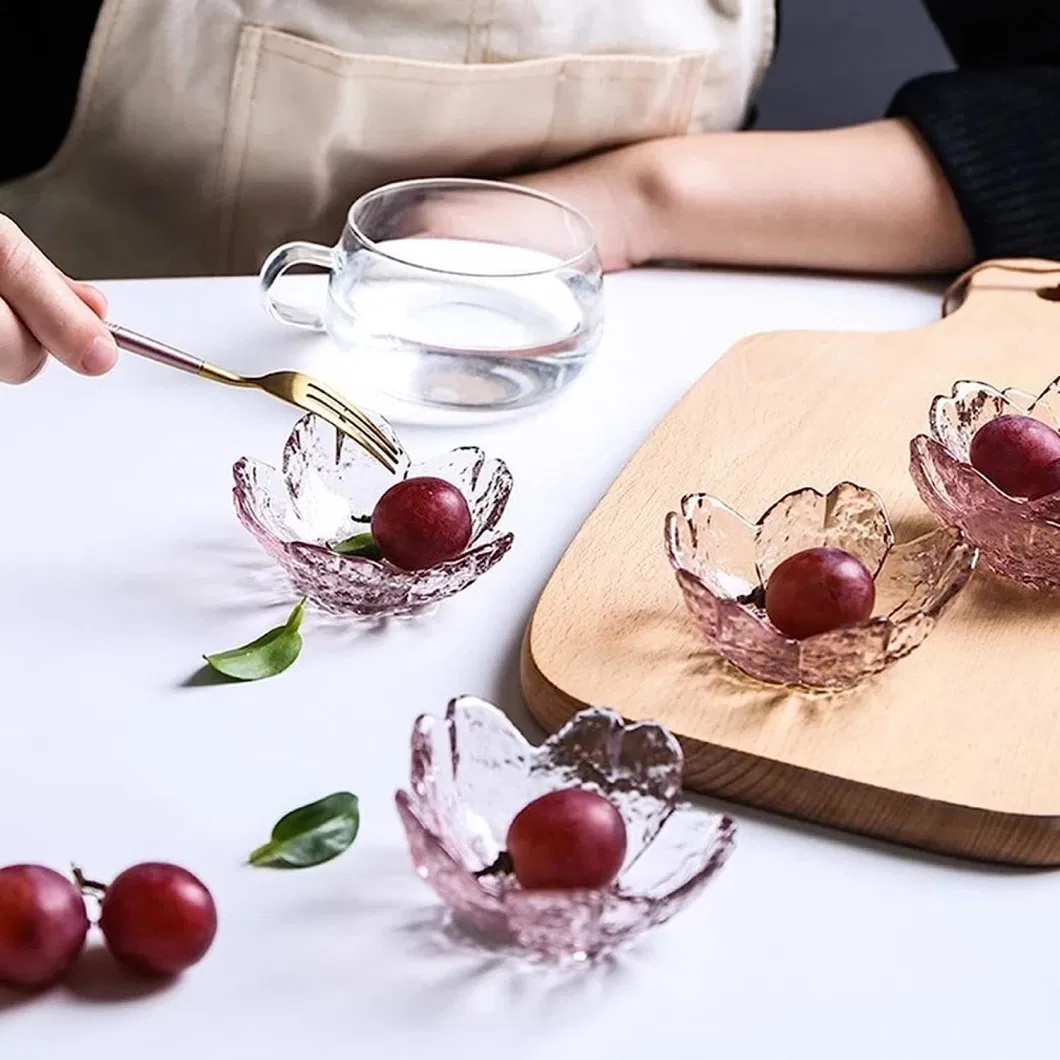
473 324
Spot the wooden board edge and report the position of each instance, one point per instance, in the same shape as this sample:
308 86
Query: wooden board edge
864 809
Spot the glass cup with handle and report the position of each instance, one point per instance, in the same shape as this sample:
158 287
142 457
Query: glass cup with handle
456 293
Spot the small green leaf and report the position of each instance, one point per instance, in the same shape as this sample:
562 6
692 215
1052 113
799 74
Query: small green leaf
267 656
358 545
311 834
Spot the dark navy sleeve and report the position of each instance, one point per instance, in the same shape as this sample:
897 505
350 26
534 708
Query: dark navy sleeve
993 124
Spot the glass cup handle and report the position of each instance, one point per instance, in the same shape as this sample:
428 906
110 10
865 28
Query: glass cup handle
276 264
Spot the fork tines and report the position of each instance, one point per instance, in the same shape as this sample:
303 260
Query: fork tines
352 421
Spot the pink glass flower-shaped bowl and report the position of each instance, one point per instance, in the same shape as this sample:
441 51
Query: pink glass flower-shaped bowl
472 772
1018 539
324 493
723 562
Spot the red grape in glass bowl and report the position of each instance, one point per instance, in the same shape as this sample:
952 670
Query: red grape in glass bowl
990 467
359 540
561 852
816 594
421 522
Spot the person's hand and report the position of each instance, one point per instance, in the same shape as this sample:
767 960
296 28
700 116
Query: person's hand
43 312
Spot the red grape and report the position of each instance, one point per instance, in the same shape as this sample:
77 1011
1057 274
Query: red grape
1046 482
158 918
420 522
818 590
567 839
1013 451
43 924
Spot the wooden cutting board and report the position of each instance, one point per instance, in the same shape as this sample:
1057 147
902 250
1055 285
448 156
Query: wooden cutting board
956 748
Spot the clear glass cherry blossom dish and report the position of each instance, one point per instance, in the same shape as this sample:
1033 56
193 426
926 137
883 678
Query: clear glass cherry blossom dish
723 563
472 772
324 493
1019 539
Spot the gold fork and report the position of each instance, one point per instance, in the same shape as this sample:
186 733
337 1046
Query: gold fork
302 391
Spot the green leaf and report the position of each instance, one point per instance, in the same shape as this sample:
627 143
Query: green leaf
267 656
311 834
358 545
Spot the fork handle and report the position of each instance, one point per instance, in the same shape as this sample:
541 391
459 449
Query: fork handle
154 350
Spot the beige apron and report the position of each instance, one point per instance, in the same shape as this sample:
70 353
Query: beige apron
209 131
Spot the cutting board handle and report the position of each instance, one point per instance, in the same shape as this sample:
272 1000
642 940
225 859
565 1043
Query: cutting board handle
987 283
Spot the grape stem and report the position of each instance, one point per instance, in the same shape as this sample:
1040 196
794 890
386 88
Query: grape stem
502 866
87 886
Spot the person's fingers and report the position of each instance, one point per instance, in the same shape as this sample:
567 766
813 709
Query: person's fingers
94 298
21 355
61 322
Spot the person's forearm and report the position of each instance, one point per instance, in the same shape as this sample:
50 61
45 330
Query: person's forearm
867 199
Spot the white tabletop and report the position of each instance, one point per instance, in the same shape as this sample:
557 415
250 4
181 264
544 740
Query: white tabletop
121 562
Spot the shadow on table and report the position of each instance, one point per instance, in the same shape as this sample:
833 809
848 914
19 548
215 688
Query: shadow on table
235 577
12 999
205 677
96 977
507 692
388 907
229 577
99 979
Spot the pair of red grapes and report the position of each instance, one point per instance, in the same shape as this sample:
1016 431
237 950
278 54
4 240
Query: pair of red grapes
421 522
156 919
